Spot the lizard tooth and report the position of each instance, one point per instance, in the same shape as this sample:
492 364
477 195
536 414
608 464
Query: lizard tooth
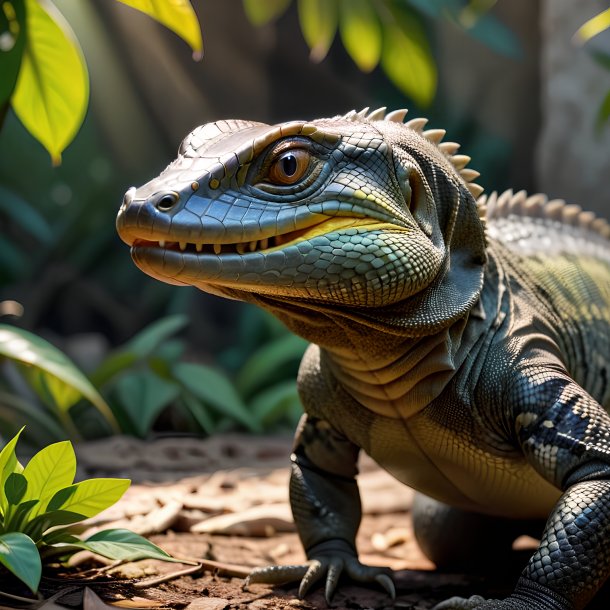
199 247
182 245
162 243
397 116
434 135
264 244
217 248
252 245
241 248
377 115
416 124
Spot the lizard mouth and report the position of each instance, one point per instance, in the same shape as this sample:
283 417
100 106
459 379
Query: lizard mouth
266 244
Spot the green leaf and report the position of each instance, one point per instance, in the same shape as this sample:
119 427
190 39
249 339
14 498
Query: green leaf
25 347
16 518
361 33
52 89
407 59
19 554
8 465
178 16
141 346
15 487
40 524
51 469
495 35
260 12
594 26
198 411
276 402
25 215
319 20
12 42
215 390
603 114
123 545
14 411
89 497
143 396
264 363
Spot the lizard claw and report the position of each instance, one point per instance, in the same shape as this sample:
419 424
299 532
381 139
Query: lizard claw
315 571
388 584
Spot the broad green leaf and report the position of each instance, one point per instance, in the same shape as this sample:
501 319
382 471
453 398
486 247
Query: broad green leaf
89 497
178 16
278 401
495 35
592 27
215 390
27 348
50 470
63 535
19 554
40 524
15 487
14 410
263 364
18 515
8 465
12 42
52 89
361 33
603 114
260 12
143 396
138 348
123 545
26 216
319 20
198 411
54 392
407 60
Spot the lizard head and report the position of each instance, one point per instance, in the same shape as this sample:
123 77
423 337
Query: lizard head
361 210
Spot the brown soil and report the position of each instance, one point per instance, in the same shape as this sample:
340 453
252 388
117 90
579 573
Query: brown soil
223 502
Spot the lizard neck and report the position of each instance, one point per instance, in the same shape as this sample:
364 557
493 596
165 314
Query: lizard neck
387 367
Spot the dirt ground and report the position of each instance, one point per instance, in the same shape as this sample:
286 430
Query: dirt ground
222 503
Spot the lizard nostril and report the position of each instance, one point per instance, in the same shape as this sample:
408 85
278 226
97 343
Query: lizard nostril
166 201
128 198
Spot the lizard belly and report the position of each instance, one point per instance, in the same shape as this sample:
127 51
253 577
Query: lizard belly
440 464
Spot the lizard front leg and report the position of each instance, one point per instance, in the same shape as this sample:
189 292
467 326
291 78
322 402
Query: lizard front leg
326 509
565 435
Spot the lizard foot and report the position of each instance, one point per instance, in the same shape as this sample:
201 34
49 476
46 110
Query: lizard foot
527 596
330 559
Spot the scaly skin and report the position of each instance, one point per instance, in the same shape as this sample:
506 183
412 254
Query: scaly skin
471 364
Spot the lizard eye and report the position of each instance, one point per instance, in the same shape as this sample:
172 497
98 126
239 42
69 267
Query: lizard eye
289 167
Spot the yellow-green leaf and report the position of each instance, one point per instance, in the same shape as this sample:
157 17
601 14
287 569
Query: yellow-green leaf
594 26
319 20
176 15
260 12
407 60
8 465
52 89
89 497
27 348
361 33
50 470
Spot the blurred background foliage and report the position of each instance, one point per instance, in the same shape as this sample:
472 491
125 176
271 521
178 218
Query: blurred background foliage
89 344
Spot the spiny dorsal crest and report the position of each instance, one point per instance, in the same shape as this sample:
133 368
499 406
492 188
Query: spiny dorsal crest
540 206
435 136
